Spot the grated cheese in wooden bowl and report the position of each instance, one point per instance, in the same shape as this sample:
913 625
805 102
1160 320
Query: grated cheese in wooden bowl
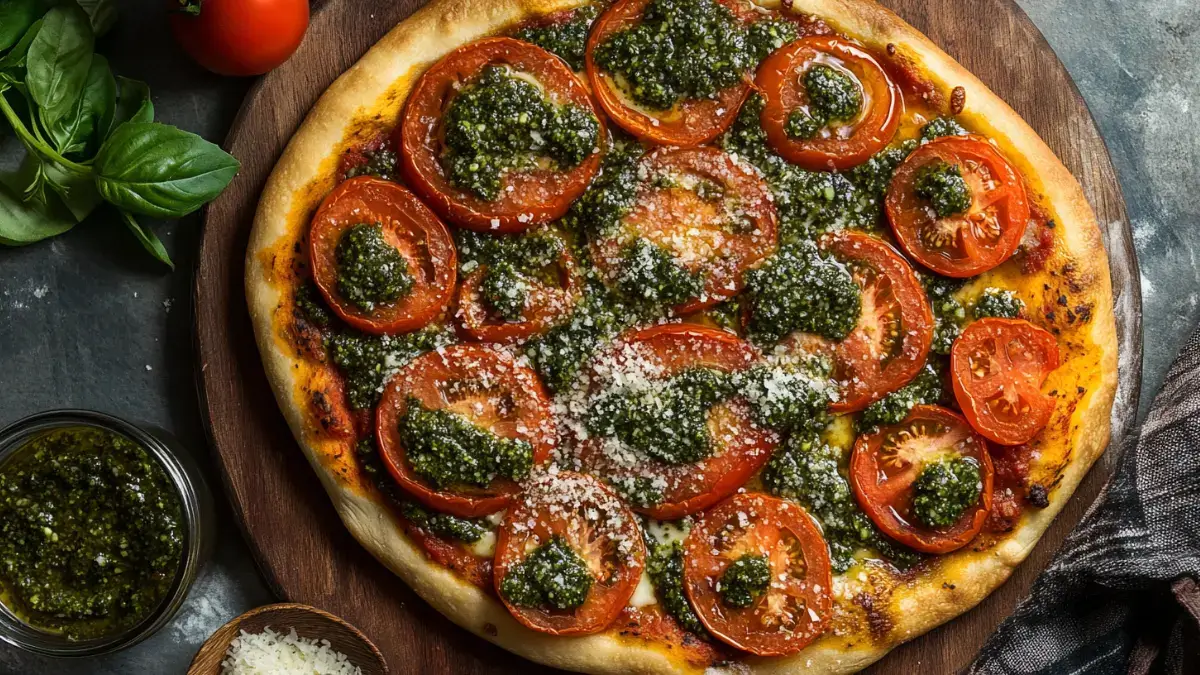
271 653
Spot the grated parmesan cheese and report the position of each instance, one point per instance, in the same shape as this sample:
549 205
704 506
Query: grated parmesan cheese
271 653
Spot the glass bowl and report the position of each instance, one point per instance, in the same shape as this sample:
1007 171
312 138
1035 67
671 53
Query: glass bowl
195 502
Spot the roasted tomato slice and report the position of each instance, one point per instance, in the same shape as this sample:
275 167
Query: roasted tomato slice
410 227
690 122
885 465
550 301
969 242
578 509
711 215
997 369
834 144
795 606
889 344
489 389
740 446
527 198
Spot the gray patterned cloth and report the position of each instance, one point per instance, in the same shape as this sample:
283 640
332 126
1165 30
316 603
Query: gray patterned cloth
1122 594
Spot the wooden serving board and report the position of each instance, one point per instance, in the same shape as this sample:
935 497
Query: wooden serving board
294 534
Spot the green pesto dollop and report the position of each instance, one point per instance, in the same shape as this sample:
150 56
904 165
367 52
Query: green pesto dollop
501 122
444 525
799 289
949 315
998 303
681 49
612 194
812 473
366 361
665 567
788 399
512 265
381 163
944 490
566 39
559 353
833 96
942 126
667 420
942 185
371 271
812 202
927 388
766 35
649 274
91 533
447 449
311 307
553 575
745 580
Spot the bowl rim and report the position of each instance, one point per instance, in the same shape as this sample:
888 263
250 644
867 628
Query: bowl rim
195 506
223 636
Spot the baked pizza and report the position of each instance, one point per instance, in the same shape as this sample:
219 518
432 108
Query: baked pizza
676 335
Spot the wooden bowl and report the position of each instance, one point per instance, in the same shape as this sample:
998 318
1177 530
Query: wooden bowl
309 622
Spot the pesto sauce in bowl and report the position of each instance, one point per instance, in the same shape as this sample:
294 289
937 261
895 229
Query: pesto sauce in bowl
92 533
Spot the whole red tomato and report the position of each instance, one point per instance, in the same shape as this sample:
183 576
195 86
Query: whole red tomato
239 37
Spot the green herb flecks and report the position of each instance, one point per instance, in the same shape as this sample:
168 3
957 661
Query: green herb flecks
649 274
833 96
926 389
788 399
949 315
366 361
665 567
311 307
943 187
512 264
91 533
371 271
944 490
798 289
553 576
942 126
745 580
500 122
666 420
447 449
381 163
811 472
443 524
998 303
566 39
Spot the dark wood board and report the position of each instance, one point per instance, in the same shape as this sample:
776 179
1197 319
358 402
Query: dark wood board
300 545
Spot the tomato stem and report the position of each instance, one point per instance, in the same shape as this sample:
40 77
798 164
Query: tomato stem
190 7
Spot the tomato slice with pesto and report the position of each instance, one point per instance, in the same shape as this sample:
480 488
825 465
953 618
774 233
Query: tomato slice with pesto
925 482
458 428
957 206
549 297
997 369
698 222
568 556
500 136
756 569
687 457
686 122
829 105
891 340
381 259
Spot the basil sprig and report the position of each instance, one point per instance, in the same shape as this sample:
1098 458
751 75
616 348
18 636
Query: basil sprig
90 137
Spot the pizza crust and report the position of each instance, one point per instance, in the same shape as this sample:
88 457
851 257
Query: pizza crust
376 87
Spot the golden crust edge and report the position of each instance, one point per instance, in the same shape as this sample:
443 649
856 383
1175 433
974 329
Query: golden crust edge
443 24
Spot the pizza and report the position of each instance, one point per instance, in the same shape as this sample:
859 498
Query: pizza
683 335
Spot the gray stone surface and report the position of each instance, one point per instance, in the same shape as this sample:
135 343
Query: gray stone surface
87 320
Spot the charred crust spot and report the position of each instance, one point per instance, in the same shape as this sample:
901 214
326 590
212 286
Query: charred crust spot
490 629
878 621
1084 312
948 586
958 100
1062 300
1080 390
1038 496
891 49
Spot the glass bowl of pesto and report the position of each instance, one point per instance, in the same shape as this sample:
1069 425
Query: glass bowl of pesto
104 526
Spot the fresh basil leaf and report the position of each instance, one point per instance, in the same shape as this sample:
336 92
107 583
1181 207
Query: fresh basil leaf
24 222
16 16
147 239
157 170
133 104
92 114
14 61
101 13
58 62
